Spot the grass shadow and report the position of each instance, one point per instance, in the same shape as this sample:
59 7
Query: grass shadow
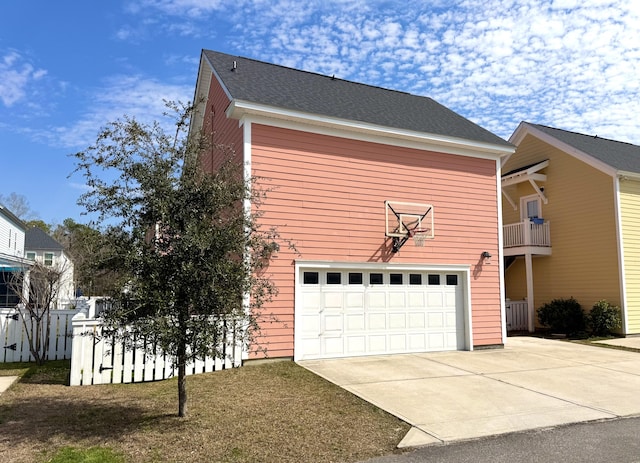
47 418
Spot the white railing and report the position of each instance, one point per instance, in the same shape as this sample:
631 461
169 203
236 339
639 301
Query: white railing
517 315
526 233
14 343
98 359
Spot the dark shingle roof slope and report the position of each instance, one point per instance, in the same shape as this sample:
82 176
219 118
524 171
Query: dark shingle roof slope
286 88
37 239
619 155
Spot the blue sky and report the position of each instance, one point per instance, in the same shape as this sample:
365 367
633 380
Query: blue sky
67 68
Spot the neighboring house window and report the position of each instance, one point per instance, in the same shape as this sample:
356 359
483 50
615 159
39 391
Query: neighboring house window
530 206
31 255
48 259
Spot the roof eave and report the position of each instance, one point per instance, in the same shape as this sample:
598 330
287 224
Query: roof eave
240 110
11 216
525 129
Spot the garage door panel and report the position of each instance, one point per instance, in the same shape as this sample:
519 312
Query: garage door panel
436 319
332 322
333 300
377 321
333 345
416 320
436 341
360 316
354 300
397 342
397 321
435 299
397 300
311 347
355 322
310 324
451 320
377 343
312 300
417 341
416 299
451 298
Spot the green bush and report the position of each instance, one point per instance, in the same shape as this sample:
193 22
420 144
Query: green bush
604 318
564 316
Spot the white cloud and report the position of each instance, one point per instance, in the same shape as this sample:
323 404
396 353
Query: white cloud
131 96
566 63
16 76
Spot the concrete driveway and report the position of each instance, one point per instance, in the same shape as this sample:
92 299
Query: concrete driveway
531 383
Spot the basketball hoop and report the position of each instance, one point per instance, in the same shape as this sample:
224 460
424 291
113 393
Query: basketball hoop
420 236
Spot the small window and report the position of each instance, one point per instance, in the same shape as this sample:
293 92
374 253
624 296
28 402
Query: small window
415 279
395 278
334 278
31 255
434 280
48 259
310 278
355 278
452 280
375 279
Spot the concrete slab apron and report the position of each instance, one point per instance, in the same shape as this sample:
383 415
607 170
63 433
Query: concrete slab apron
453 396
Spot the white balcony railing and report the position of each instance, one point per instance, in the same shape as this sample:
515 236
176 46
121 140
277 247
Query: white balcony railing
526 233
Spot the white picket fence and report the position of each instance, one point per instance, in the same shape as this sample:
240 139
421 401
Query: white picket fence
517 315
14 341
98 359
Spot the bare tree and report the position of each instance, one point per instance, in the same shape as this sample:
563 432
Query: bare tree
37 287
18 205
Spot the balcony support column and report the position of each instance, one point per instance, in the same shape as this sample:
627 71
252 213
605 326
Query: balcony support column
528 261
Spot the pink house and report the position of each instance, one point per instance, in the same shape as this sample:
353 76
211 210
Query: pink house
355 173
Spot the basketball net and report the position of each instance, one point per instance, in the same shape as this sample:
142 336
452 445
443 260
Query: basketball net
419 236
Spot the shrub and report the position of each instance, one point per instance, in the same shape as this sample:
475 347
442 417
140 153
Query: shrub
604 318
563 316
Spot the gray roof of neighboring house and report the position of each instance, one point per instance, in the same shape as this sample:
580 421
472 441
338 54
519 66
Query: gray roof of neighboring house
282 87
37 239
619 155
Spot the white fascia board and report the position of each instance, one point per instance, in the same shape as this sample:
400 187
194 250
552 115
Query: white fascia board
524 129
301 263
200 95
296 120
621 271
626 175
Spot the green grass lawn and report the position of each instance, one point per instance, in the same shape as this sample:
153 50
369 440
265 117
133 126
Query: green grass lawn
274 412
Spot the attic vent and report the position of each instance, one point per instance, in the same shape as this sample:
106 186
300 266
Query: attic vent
235 65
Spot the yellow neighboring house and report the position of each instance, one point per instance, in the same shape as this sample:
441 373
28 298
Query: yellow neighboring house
571 215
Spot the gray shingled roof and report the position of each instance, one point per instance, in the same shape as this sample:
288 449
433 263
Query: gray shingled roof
278 86
37 239
619 155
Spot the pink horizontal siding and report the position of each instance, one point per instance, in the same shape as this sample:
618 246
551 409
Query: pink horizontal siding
327 197
221 132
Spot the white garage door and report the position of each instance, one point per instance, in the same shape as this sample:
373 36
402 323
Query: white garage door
345 312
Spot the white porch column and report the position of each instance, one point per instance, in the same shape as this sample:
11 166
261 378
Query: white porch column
530 302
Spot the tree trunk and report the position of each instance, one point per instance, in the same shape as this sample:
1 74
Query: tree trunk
182 381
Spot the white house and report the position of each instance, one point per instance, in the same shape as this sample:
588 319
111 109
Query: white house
12 258
42 248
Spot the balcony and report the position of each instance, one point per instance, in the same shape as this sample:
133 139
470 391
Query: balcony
527 237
